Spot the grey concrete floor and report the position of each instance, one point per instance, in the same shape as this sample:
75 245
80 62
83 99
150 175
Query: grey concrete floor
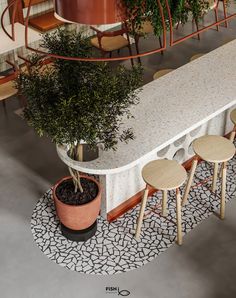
204 267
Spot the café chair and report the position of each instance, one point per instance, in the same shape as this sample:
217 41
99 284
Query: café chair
212 6
145 29
110 41
45 64
7 85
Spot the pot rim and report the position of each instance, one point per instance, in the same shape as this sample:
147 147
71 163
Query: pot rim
70 177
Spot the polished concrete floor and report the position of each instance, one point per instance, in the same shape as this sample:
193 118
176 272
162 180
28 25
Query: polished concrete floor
204 267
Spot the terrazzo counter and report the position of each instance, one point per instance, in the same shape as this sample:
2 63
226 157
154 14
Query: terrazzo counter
192 100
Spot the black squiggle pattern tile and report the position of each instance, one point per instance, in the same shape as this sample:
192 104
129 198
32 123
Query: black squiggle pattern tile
113 249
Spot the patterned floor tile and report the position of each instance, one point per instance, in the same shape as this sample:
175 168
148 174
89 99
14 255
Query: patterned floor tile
113 249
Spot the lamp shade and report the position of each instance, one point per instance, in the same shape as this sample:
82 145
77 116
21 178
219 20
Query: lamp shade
91 12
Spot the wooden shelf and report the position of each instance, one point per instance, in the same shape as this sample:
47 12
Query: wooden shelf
45 22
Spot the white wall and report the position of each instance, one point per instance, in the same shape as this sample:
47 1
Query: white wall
3 4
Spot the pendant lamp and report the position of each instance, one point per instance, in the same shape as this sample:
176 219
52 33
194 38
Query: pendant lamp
91 12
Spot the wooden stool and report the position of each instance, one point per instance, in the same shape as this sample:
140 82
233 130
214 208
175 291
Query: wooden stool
196 56
163 175
233 119
214 149
161 73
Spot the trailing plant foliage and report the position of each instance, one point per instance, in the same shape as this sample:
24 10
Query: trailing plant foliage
181 10
74 101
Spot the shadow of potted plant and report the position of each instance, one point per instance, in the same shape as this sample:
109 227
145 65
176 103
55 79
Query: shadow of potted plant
77 105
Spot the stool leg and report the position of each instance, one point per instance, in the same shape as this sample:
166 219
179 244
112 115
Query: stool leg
141 213
178 216
223 187
231 138
190 180
215 177
164 202
232 135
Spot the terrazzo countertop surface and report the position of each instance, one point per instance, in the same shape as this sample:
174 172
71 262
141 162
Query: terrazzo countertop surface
171 107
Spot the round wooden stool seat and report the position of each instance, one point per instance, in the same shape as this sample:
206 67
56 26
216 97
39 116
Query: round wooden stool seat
161 73
196 56
214 149
164 174
7 90
233 116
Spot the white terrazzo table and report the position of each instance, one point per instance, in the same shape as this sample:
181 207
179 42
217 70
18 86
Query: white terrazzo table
192 100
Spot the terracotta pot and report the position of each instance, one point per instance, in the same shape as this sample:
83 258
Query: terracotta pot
91 12
78 217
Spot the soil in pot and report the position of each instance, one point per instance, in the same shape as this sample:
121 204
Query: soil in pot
65 192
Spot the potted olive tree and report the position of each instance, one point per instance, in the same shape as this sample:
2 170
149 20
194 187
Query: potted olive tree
76 103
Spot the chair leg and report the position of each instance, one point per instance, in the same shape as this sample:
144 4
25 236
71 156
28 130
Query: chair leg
216 18
141 213
215 175
110 54
129 46
179 219
225 12
4 104
130 52
177 26
103 53
223 188
232 135
160 43
21 101
196 22
164 203
190 180
136 41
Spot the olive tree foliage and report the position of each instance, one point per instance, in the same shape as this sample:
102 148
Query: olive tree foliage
72 101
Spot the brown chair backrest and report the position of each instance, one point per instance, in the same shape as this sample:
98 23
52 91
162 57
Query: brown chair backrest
101 34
